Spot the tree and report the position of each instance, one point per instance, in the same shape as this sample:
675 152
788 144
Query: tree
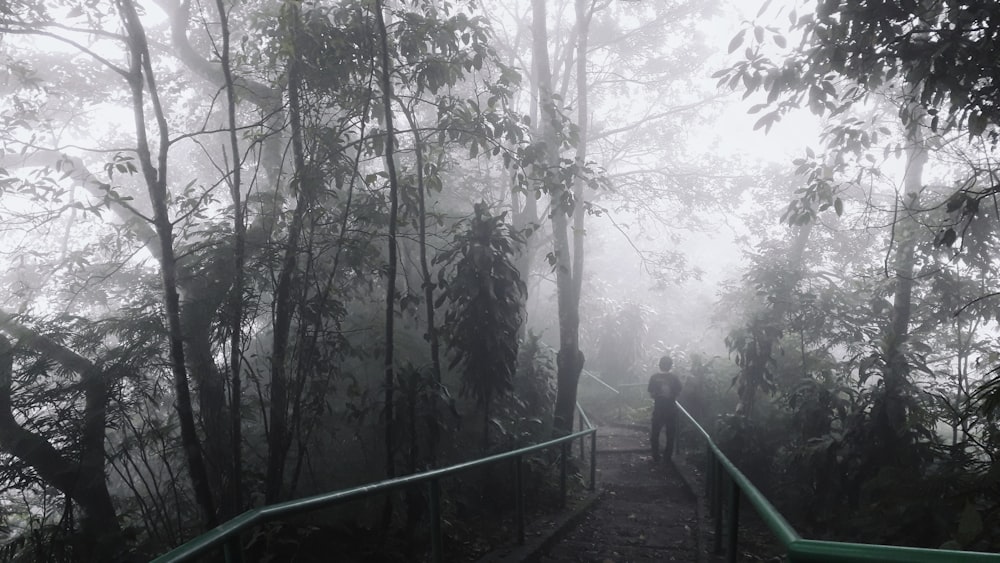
140 76
858 59
265 253
927 55
570 359
81 480
485 296
236 304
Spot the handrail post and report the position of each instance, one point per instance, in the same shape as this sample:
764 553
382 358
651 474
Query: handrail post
564 461
593 460
437 547
710 478
233 550
718 475
717 507
519 498
709 475
733 521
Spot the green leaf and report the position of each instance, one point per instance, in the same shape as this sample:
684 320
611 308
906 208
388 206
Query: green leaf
838 206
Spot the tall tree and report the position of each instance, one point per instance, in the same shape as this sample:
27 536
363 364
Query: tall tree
570 359
389 382
236 304
140 76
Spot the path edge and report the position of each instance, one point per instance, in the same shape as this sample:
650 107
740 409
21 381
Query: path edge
688 475
532 549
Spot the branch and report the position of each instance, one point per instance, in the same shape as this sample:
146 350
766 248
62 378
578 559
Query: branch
74 169
645 120
44 345
117 69
974 301
261 95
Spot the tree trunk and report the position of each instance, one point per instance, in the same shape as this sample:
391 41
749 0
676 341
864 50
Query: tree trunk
432 336
235 504
83 481
570 359
155 176
890 413
390 291
279 440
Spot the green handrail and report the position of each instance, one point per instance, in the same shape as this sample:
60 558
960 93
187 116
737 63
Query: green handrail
229 530
801 550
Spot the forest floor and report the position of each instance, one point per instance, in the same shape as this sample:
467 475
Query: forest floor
644 511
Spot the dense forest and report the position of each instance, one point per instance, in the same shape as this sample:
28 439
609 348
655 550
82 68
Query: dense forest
256 250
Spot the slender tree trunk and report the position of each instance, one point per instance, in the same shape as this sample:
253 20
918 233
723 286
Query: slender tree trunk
524 219
891 414
428 285
583 128
905 231
155 175
278 436
235 503
524 215
390 292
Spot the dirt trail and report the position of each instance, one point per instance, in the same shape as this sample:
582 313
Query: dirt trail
646 512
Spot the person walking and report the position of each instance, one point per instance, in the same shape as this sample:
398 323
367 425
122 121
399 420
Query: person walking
665 387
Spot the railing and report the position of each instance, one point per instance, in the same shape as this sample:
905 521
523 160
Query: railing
720 473
227 535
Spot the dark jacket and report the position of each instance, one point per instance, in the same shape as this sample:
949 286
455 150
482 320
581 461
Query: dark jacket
665 388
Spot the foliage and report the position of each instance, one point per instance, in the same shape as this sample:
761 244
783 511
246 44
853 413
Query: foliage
939 50
844 456
485 296
525 413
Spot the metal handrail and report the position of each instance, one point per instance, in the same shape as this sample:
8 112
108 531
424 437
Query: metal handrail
599 380
801 550
227 533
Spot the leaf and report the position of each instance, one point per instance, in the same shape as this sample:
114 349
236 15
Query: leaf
737 41
977 124
765 121
838 206
779 40
955 202
947 238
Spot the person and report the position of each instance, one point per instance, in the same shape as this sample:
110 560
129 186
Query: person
664 386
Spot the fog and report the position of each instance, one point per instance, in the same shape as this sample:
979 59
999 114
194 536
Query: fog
252 251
